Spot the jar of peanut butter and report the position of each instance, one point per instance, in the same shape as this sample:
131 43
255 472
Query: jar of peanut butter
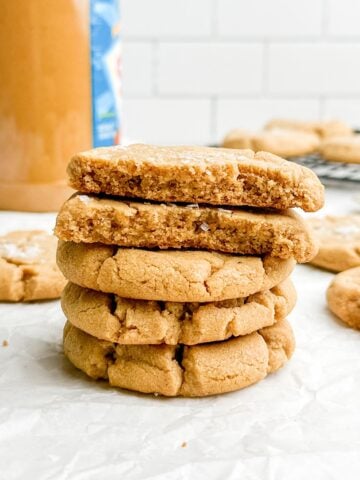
60 93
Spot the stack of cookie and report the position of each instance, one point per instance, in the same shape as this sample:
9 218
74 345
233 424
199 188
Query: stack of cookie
187 298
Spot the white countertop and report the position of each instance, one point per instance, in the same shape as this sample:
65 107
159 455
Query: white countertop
302 421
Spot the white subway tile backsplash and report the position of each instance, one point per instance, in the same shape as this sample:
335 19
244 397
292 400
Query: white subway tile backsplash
193 70
167 121
210 68
252 114
343 18
167 18
346 109
137 68
318 69
269 18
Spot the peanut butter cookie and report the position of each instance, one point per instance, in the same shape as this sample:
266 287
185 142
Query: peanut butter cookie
339 240
218 176
90 219
343 296
121 320
169 275
176 370
28 269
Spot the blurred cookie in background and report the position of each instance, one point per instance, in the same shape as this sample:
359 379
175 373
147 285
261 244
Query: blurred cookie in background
279 141
343 296
28 269
342 149
339 238
322 128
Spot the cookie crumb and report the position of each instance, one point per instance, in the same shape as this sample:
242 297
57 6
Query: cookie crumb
5 343
184 445
156 394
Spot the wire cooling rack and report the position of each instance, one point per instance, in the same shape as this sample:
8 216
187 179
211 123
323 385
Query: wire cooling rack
330 172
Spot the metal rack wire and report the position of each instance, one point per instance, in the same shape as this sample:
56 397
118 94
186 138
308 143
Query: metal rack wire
330 172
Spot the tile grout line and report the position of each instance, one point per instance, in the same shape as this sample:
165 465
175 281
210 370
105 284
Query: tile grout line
213 118
155 68
265 74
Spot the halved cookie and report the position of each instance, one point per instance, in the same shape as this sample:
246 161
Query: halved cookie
90 219
218 176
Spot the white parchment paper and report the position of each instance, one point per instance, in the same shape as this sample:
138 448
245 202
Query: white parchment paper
302 422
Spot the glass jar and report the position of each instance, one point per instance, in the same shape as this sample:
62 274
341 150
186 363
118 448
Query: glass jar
60 93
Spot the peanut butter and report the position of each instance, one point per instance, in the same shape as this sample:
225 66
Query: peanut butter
45 98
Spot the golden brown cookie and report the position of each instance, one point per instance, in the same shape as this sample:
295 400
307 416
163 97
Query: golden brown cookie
239 138
91 219
196 175
279 141
174 276
339 239
342 149
28 269
323 128
125 321
175 370
343 296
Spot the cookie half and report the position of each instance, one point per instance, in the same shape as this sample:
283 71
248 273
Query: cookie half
343 296
342 149
339 240
196 175
194 371
28 269
121 320
90 219
283 142
169 275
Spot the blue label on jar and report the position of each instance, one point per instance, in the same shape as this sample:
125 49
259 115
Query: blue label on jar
105 71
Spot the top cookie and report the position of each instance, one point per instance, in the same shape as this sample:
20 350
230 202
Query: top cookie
196 175
322 128
28 269
284 142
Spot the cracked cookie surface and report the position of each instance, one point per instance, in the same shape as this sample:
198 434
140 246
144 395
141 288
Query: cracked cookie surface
339 242
169 275
91 219
28 269
218 176
121 320
343 296
199 370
